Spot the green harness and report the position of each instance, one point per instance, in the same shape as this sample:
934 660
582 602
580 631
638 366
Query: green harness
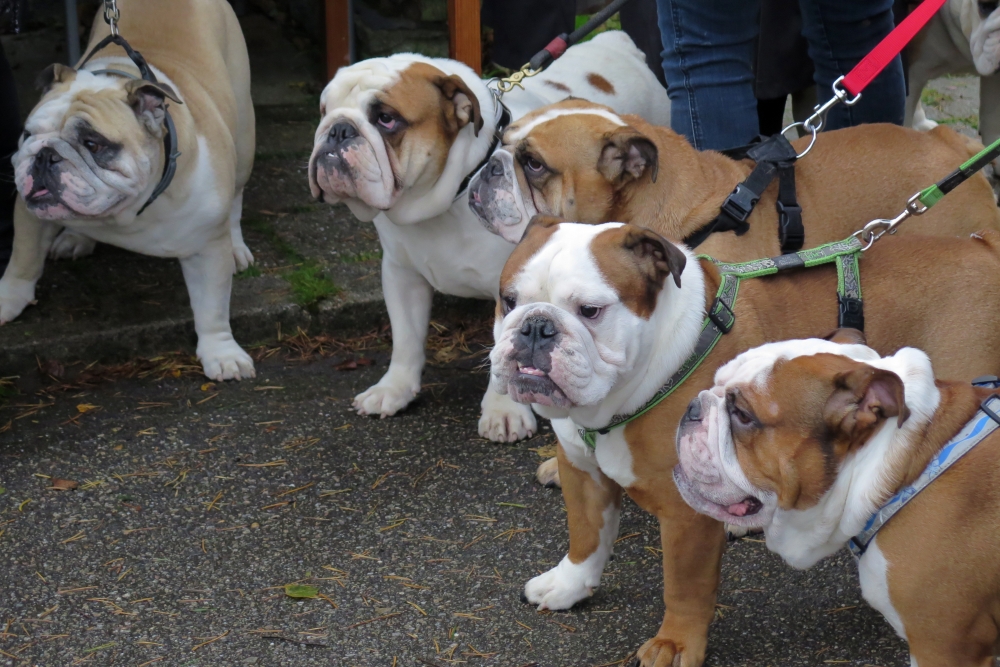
721 316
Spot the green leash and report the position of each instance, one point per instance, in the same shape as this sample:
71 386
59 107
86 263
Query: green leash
721 318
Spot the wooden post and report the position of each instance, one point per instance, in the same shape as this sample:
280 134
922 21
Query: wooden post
338 35
464 33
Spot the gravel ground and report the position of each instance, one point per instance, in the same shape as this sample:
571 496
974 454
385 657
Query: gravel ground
197 503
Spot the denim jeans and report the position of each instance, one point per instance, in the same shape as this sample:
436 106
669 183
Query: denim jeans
708 61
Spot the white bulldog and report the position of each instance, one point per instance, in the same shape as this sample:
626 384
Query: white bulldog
962 38
399 138
93 153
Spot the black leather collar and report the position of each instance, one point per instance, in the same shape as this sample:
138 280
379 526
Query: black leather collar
170 152
502 124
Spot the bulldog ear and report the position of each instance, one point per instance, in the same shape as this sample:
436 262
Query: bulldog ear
627 154
465 101
862 398
147 100
657 256
846 336
52 75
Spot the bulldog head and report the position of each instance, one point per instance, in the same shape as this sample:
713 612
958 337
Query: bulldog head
775 431
980 21
93 145
572 160
576 310
399 134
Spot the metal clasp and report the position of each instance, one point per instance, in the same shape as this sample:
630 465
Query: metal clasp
507 84
814 123
111 15
877 228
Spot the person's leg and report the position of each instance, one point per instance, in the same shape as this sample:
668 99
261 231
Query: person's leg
10 131
708 53
840 34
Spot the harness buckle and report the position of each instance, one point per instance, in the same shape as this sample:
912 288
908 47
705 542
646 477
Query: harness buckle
723 325
852 314
791 233
739 204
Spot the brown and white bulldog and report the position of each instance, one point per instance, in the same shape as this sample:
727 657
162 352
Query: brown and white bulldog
582 161
93 153
962 38
594 319
398 139
808 439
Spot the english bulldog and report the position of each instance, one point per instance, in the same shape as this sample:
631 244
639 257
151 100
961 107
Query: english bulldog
594 319
397 142
582 161
962 38
92 154
808 439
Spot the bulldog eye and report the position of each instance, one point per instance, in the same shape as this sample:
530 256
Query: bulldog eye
533 165
25 135
509 304
590 312
741 416
92 146
386 121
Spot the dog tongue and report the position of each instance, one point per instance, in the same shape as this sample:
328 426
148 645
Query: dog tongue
745 507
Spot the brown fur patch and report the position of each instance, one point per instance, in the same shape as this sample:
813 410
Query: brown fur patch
559 86
535 236
599 82
636 261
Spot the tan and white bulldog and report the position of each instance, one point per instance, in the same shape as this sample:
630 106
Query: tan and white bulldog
93 152
398 138
583 162
807 439
962 38
594 319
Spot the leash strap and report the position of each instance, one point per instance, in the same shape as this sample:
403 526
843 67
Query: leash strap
791 232
721 316
558 46
872 65
170 152
851 307
982 424
932 195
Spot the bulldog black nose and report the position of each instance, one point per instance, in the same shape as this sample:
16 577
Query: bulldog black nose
694 411
495 168
47 157
342 132
537 329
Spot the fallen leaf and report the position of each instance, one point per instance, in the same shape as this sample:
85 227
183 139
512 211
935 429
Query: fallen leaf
83 408
353 364
207 386
53 368
301 591
60 484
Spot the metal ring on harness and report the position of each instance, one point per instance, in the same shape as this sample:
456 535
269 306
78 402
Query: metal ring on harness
814 123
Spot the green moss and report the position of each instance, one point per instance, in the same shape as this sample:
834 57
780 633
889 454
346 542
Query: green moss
310 285
266 229
933 98
250 272
971 121
363 256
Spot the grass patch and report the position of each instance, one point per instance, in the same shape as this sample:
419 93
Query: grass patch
971 121
310 285
933 98
250 272
363 256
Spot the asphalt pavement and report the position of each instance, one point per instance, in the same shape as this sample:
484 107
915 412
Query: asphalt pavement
196 504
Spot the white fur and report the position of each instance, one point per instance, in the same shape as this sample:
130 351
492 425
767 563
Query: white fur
957 41
521 132
873 573
433 242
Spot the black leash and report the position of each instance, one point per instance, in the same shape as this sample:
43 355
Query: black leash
170 152
774 157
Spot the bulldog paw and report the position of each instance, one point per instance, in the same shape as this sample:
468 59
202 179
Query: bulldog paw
665 652
225 361
559 588
548 474
503 420
383 400
15 296
242 256
734 533
71 245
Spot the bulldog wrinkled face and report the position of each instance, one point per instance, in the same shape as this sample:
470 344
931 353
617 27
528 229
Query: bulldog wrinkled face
93 145
984 40
574 310
775 429
388 125
567 160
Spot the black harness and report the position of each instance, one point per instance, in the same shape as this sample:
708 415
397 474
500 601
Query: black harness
502 124
170 152
774 156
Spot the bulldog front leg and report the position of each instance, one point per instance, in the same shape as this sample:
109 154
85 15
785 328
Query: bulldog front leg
503 419
32 238
408 300
593 507
209 278
692 553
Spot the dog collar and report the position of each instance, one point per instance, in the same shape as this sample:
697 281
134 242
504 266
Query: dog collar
170 152
983 423
721 316
502 124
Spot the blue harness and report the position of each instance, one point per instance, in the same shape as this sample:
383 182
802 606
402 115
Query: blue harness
983 423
